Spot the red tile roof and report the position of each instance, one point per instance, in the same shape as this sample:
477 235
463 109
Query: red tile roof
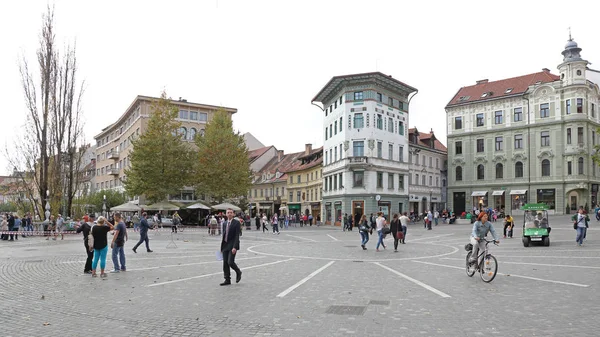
427 136
519 86
254 154
288 163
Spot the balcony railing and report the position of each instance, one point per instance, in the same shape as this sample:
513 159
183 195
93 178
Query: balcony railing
113 155
113 171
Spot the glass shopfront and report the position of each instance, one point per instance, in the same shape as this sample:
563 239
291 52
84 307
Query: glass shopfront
328 213
480 199
518 198
547 196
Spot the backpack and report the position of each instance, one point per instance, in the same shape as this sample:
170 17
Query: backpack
90 240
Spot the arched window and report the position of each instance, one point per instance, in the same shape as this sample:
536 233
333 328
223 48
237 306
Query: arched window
518 170
480 172
545 168
580 165
458 173
192 133
499 171
201 132
183 133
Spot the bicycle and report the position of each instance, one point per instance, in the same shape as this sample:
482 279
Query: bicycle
487 268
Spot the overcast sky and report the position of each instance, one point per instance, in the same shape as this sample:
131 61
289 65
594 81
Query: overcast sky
268 59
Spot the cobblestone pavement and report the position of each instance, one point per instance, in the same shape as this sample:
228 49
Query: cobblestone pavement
304 282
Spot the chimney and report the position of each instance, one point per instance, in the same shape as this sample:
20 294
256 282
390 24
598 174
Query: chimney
431 131
307 149
546 70
482 81
279 155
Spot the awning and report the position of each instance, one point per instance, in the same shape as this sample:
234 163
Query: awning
479 194
293 206
497 192
513 192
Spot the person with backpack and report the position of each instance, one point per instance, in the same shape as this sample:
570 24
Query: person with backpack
85 228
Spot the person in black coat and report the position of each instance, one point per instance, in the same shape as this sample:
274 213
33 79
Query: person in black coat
85 228
230 244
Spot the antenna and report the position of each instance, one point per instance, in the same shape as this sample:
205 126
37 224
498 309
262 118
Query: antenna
570 38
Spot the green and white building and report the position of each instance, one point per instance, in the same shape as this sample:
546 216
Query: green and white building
365 152
526 139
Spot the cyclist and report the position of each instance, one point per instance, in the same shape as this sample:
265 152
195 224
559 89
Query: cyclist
481 227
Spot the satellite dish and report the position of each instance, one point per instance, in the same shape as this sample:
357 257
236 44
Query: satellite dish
377 197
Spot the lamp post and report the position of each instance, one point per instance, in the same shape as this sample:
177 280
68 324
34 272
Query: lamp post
104 205
47 213
430 203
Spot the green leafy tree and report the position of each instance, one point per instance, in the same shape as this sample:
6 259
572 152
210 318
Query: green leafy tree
222 168
161 163
113 198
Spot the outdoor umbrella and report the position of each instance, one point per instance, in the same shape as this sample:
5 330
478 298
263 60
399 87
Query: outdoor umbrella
225 206
126 207
162 206
197 206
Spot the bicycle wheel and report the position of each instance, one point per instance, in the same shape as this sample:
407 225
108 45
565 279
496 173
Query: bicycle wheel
470 266
488 268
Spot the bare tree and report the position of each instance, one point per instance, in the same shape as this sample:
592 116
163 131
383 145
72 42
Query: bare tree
50 147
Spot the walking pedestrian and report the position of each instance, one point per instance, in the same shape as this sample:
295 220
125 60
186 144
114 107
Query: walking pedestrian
581 222
176 222
85 228
118 243
364 229
136 222
395 227
436 216
99 233
264 223
404 223
144 226
257 221
380 223
60 222
230 244
4 228
275 223
429 220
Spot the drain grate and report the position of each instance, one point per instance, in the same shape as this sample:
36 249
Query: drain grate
30 249
350 246
374 302
34 261
346 310
358 261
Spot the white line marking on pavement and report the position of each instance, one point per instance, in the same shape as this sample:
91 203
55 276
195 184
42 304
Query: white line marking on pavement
417 282
511 275
299 237
213 274
190 264
550 257
533 264
430 237
301 282
334 239
157 257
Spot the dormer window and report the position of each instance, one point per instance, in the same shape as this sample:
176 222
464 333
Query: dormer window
508 91
464 98
486 94
538 82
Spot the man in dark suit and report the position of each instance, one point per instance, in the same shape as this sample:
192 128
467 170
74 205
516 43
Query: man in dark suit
144 226
230 244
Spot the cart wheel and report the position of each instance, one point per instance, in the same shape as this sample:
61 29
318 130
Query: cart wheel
525 241
546 241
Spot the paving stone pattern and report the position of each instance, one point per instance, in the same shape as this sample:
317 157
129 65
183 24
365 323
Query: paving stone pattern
543 291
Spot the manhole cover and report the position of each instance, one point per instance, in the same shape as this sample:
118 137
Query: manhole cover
34 261
374 302
346 310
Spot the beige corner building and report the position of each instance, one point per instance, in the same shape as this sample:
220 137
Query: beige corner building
113 144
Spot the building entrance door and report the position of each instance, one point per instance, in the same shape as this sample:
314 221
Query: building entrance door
573 202
459 201
358 209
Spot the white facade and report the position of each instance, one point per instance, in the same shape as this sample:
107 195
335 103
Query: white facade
365 153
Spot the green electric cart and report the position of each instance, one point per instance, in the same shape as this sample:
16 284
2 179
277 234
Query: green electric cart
536 227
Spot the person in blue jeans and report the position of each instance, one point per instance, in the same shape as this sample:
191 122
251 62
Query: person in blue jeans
380 223
582 225
99 233
363 229
118 243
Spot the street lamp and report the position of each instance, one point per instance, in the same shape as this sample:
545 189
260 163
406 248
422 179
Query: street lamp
47 213
104 205
430 203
